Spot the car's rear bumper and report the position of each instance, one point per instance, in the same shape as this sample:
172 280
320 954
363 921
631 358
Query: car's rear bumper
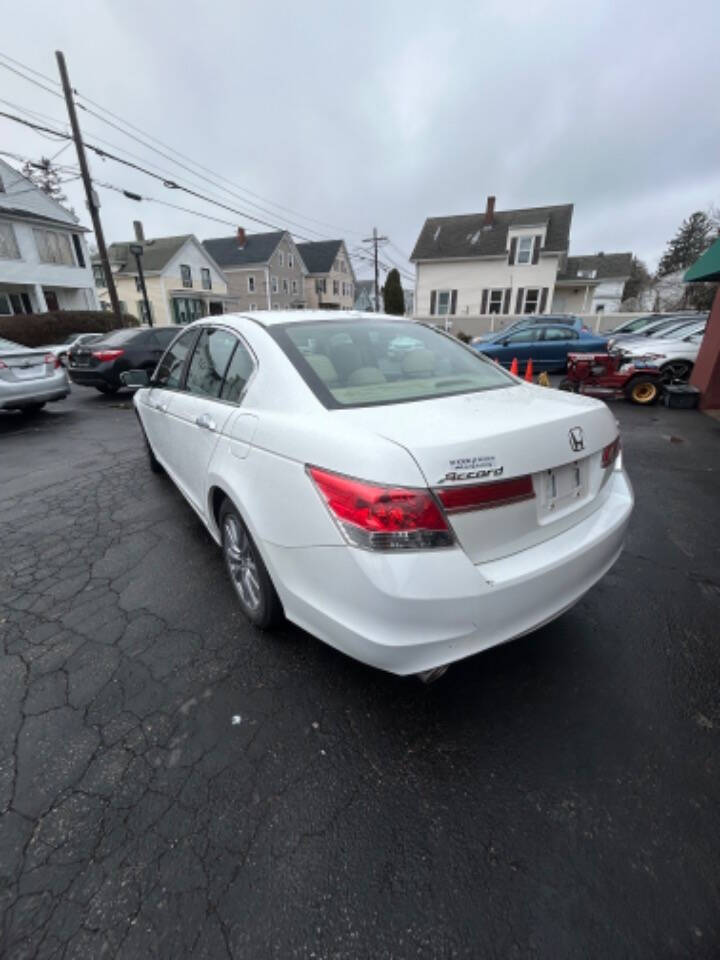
413 612
93 377
34 391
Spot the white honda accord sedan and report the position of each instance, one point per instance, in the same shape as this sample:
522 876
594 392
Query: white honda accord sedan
410 507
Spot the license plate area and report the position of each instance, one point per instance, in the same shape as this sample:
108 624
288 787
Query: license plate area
29 373
563 488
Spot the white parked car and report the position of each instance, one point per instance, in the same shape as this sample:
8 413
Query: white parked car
61 350
409 508
29 378
675 354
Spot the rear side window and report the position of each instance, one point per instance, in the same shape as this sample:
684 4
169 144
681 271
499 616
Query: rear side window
238 374
524 336
127 335
209 362
170 368
165 334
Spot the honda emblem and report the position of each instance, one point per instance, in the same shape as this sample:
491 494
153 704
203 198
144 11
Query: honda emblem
577 439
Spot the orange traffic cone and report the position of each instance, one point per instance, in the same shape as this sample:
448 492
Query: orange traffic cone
528 371
514 366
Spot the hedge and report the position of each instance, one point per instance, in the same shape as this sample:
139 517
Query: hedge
41 329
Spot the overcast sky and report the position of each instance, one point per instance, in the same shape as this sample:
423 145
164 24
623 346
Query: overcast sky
385 113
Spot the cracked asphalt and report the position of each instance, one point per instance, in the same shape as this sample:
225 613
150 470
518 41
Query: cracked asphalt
175 784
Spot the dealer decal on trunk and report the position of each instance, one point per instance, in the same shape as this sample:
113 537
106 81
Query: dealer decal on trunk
472 468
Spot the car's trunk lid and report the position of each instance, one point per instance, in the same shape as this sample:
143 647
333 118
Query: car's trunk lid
19 366
481 438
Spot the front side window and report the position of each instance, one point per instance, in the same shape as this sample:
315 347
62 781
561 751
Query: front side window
209 362
496 301
170 368
383 362
205 278
8 244
53 247
237 375
524 249
186 275
532 300
527 335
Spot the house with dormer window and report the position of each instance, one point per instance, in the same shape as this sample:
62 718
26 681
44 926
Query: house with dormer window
499 261
511 262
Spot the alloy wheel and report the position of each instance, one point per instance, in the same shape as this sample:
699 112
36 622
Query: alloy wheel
677 371
241 563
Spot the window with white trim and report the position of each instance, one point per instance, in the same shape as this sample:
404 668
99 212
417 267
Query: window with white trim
532 300
294 286
186 275
524 249
281 258
442 307
54 247
206 279
8 244
251 284
253 306
274 284
291 261
285 284
495 301
321 285
336 287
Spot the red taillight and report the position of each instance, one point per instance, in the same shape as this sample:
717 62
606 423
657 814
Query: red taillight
481 496
104 355
380 517
3 365
610 453
50 358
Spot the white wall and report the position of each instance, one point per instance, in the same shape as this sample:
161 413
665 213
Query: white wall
471 277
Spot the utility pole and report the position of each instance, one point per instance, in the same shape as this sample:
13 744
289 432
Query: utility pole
375 240
90 195
136 249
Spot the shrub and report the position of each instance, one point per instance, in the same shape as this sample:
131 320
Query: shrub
465 337
41 329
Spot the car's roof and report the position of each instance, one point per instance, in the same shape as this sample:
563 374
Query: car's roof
272 318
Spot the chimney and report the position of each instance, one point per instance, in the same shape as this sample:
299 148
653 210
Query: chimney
489 212
240 237
139 232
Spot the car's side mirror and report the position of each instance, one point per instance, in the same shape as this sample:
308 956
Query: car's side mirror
135 378
504 343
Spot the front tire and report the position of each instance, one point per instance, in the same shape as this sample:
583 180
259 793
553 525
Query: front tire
107 389
571 386
643 390
248 574
676 371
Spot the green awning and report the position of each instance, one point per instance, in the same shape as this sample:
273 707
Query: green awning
707 267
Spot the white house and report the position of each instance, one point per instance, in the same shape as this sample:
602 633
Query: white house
592 284
182 280
44 261
510 262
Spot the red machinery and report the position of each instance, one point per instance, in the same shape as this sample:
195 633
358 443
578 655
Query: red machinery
605 375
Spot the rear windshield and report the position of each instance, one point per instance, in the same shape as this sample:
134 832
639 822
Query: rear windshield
369 363
122 336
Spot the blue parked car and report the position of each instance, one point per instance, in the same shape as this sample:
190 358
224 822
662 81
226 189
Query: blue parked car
546 343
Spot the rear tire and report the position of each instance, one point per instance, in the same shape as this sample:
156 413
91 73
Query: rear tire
248 574
108 390
643 390
571 386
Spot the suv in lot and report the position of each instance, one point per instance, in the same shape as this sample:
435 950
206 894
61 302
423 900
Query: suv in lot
100 364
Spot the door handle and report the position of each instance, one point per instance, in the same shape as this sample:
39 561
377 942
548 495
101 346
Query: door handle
205 421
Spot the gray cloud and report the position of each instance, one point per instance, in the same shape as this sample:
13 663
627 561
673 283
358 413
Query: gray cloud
387 113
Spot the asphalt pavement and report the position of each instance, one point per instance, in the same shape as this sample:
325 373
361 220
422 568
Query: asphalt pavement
175 784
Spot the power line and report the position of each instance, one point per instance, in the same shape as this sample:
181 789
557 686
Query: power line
149 146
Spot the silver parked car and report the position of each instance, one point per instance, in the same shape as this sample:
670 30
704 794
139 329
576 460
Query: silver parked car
61 350
29 378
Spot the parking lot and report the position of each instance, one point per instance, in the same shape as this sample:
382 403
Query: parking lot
175 784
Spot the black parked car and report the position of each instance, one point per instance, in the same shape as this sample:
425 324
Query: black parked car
100 364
